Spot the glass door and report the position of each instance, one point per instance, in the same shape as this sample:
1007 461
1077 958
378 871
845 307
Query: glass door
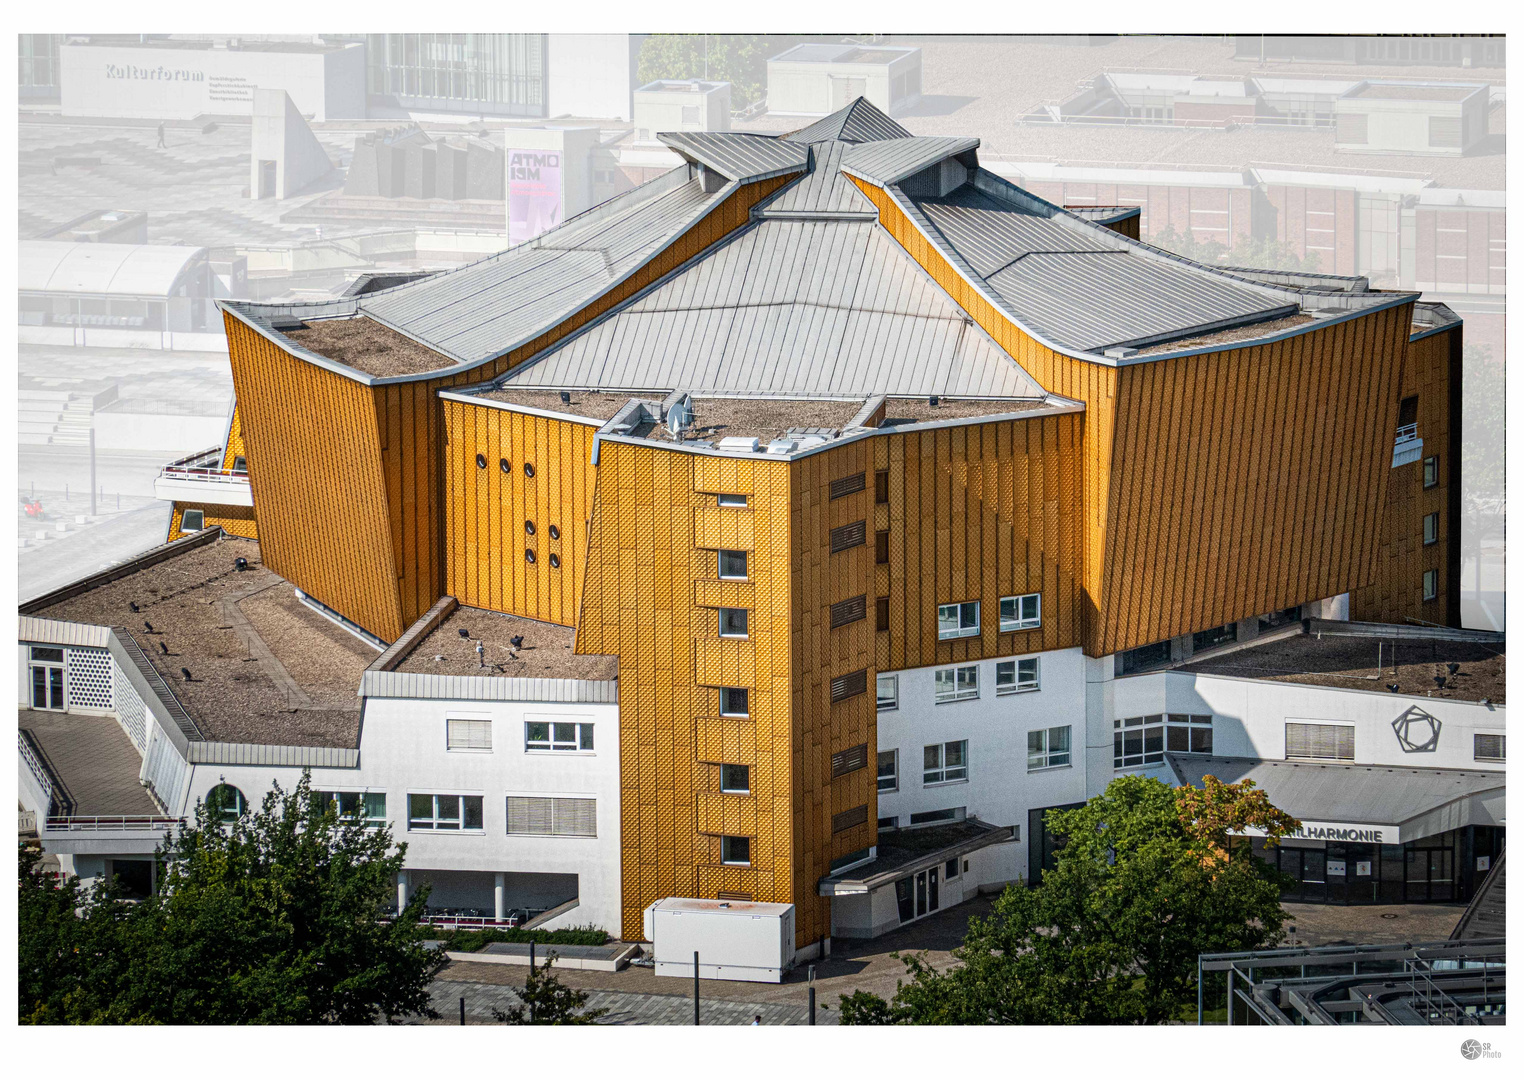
47 678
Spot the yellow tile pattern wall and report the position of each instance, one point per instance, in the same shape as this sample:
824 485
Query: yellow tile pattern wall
234 520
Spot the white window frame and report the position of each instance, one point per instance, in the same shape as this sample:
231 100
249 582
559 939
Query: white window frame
745 619
1022 675
735 790
369 821
730 498
1146 759
942 769
725 842
731 712
965 682
958 613
460 807
1431 528
185 525
47 666
582 741
1190 724
1046 757
893 776
1019 619
470 728
719 569
1430 584
892 702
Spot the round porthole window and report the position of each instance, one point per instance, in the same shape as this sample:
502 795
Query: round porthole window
529 555
528 469
504 464
555 533
555 561
529 527
481 461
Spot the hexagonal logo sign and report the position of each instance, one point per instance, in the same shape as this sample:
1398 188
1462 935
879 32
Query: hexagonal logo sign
1417 731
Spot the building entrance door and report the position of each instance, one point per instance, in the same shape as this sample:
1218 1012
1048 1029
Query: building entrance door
47 670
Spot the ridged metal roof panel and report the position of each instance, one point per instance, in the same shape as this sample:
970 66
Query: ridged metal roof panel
890 162
859 122
737 155
824 190
991 236
811 308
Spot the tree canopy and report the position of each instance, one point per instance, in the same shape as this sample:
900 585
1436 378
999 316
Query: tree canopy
1145 880
544 1000
740 59
1259 253
270 917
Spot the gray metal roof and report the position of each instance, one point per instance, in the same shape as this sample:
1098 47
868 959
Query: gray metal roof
823 190
737 155
810 308
859 122
889 162
1352 794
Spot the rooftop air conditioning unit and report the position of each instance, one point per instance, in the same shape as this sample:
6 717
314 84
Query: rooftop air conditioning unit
782 446
739 445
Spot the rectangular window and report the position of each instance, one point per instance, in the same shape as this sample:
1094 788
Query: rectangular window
950 870
1188 734
888 692
730 500
849 819
849 685
958 620
1138 740
881 612
945 763
1483 747
444 813
1430 584
957 684
1016 676
468 734
735 850
848 485
47 674
548 735
735 701
732 566
1047 748
538 815
849 760
1020 612
849 611
240 464
845 537
1218 635
735 779
1145 656
881 486
1431 472
932 817
888 770
888 824
192 520
1333 742
1431 528
881 548
732 622
368 806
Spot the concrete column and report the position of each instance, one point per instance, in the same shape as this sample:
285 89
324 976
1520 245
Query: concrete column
497 897
401 890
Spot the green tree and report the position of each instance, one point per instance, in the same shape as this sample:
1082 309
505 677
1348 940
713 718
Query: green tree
544 1000
1145 880
740 59
1255 253
272 917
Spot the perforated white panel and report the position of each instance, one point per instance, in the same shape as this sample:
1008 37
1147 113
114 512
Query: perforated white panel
88 679
131 713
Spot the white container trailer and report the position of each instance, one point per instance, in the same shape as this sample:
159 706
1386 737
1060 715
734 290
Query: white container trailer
737 940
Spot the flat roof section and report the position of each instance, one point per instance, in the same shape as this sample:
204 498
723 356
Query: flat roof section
904 851
1415 91
592 404
920 410
368 346
1349 663
545 652
762 418
1232 334
264 667
92 762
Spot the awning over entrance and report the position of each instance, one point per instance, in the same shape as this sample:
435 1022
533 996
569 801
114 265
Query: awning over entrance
1374 804
907 851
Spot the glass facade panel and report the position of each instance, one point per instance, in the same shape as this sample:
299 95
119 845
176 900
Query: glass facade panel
496 73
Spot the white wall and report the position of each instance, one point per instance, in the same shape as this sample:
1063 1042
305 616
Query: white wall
590 75
402 750
999 789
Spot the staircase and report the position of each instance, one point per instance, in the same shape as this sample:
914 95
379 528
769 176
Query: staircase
54 417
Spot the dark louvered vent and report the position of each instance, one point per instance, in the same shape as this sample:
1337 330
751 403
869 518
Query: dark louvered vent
849 536
849 611
848 485
845 686
849 760
849 819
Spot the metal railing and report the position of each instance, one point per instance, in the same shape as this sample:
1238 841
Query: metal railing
112 823
34 763
203 466
1406 432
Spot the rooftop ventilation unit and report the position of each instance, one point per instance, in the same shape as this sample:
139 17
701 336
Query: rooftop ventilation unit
739 445
782 446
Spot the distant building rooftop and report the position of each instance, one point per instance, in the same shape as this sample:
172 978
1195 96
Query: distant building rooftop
1416 91
544 653
264 667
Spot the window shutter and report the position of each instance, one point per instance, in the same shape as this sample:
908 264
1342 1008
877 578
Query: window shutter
1488 747
1445 131
848 485
849 611
850 819
849 760
530 815
575 817
468 734
849 536
845 686
1332 741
